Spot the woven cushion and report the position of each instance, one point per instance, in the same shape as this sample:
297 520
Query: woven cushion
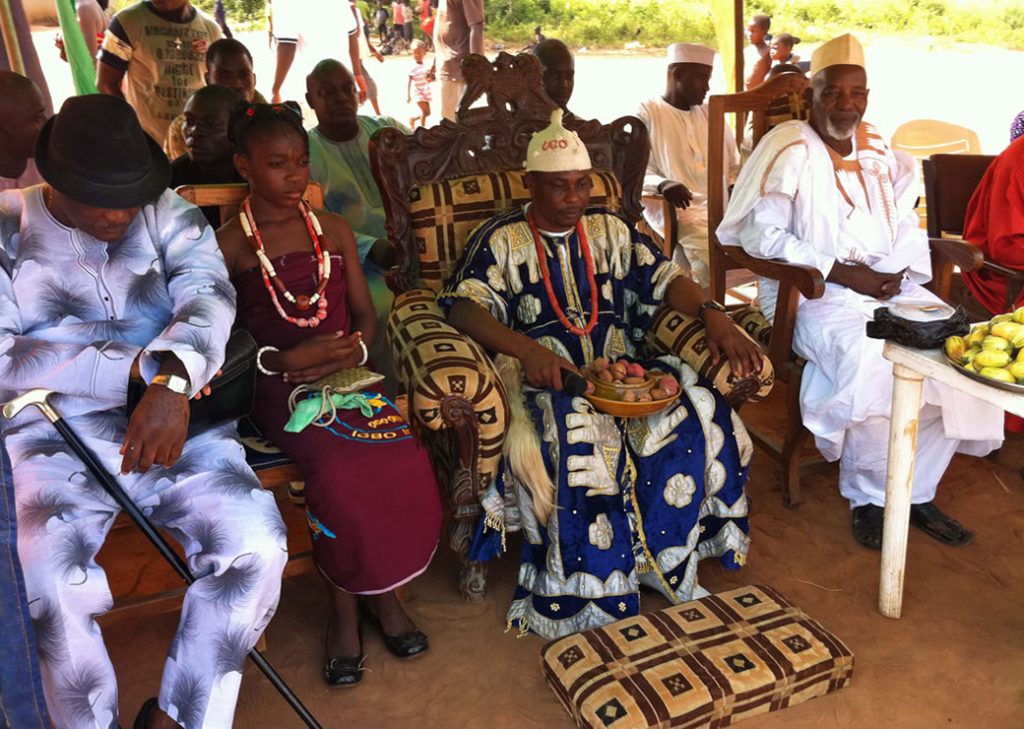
705 663
436 363
752 321
684 337
444 213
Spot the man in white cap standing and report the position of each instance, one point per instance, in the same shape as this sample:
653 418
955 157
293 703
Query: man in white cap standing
612 503
678 166
831 194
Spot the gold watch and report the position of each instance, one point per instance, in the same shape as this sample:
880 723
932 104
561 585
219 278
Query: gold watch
175 383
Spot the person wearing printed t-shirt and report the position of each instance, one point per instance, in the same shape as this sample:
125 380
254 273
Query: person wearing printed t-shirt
160 47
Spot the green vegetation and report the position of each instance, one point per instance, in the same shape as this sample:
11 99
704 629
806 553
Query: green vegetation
612 23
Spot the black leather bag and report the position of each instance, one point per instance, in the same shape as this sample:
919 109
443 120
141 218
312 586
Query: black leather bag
916 334
232 394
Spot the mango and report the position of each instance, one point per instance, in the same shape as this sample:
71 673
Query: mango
634 380
976 337
1006 329
955 348
1018 315
996 343
989 358
1000 318
969 355
601 363
643 397
658 394
997 373
629 396
1017 370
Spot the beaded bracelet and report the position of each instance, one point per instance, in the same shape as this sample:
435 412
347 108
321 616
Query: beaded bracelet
259 360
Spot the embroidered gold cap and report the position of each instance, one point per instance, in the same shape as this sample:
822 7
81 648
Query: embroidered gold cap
556 149
845 50
690 53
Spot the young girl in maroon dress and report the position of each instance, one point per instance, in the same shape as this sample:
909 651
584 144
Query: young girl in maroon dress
372 502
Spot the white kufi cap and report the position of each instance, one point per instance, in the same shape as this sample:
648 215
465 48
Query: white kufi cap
556 149
845 50
690 53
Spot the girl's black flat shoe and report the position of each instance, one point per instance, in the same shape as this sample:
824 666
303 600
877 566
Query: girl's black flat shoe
341 671
407 645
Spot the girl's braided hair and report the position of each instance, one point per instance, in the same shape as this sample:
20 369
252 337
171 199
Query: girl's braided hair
249 121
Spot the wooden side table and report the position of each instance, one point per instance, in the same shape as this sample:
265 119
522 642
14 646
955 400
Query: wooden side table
910 367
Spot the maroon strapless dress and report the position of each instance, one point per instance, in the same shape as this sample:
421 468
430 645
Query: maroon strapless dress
371 499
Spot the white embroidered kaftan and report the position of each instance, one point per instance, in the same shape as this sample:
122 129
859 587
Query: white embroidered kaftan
679 151
795 200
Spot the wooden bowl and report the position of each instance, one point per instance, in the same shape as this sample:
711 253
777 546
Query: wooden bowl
614 390
621 409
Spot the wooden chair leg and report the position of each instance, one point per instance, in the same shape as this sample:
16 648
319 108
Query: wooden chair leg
796 437
465 505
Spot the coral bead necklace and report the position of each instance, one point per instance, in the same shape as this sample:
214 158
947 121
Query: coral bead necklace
546 275
273 282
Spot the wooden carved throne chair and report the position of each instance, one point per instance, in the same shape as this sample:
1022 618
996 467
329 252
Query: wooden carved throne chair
440 183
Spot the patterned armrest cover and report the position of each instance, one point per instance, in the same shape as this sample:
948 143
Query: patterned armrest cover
675 333
437 364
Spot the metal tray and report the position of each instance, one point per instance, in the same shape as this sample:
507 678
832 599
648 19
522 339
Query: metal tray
969 372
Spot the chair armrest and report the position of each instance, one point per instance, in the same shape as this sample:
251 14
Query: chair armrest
444 372
683 336
963 255
806 279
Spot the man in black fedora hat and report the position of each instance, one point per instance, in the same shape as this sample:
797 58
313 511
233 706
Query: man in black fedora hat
102 268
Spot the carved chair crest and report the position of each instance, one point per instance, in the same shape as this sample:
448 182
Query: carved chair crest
489 139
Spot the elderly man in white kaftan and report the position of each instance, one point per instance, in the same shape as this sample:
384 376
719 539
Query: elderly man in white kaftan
87 287
678 166
831 194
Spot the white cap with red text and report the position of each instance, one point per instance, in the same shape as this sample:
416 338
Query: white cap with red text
556 149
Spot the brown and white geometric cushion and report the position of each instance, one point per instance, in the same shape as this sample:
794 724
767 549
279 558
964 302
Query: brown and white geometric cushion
705 663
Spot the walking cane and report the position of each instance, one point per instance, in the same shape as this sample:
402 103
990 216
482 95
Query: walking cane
40 398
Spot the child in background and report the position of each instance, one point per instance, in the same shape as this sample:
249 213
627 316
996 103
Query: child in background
782 49
419 85
382 22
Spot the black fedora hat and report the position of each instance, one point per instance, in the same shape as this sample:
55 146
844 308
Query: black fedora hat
95 152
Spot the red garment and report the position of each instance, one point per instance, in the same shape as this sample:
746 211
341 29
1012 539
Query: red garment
373 504
995 223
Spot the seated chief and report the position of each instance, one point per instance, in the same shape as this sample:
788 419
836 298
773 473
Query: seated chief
555 285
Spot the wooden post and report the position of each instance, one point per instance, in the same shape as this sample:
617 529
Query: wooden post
10 37
739 45
899 481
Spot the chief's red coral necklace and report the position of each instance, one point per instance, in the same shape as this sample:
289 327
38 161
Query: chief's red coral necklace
546 275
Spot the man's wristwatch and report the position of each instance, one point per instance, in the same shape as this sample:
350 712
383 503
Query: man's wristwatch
175 383
709 304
